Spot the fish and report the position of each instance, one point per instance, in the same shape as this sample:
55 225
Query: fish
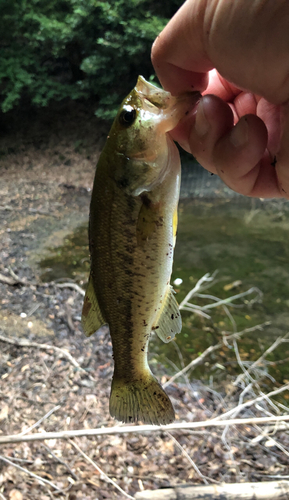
132 233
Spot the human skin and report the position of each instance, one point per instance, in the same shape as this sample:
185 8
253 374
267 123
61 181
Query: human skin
237 54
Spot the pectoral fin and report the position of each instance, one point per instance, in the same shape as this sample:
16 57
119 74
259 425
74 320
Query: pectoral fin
92 318
168 321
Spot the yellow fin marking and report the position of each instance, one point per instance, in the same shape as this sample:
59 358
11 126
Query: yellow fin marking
175 224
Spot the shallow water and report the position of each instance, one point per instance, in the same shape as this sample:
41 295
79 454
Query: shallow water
248 245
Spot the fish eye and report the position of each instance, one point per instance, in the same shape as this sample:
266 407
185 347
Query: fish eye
127 117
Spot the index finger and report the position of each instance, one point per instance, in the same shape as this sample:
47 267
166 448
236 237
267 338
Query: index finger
175 51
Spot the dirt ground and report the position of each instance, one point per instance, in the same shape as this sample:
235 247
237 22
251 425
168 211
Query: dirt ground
47 162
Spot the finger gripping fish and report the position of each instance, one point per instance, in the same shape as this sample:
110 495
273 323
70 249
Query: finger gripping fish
132 231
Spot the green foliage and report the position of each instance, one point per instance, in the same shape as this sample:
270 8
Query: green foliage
56 49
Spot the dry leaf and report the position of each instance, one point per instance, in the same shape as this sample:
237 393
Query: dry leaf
15 495
4 412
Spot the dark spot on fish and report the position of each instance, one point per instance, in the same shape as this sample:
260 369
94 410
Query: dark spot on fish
172 316
155 327
146 200
160 221
86 307
129 248
129 272
123 182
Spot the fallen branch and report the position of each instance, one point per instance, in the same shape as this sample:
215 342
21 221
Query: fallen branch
74 286
126 429
60 461
7 280
41 480
46 347
272 490
105 476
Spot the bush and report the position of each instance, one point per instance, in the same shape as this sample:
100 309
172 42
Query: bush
56 49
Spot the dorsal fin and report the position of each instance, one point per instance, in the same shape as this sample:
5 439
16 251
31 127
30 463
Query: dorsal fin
92 318
168 321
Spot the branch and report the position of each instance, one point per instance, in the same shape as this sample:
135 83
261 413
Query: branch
199 360
107 478
278 341
242 491
126 429
74 286
41 480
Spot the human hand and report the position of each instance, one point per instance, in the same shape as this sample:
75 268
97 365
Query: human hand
239 52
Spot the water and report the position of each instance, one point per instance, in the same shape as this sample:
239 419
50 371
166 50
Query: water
247 244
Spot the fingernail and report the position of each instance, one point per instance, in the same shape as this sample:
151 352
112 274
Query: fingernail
201 124
239 134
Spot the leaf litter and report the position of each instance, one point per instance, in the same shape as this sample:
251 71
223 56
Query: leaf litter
47 168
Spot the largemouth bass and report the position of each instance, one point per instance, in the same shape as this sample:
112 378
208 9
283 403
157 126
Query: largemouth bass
132 231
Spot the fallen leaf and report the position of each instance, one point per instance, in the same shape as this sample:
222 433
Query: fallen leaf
4 412
15 495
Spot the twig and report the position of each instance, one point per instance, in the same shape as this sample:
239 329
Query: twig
40 479
60 461
19 280
194 363
126 429
7 207
47 347
260 359
240 407
47 415
199 360
276 443
225 491
7 280
221 302
71 285
207 278
108 479
185 453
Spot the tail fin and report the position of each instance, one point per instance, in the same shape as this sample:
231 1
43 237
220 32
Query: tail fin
142 399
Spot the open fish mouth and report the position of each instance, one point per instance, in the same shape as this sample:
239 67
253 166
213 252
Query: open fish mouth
169 109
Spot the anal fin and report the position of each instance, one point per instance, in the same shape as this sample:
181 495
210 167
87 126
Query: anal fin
92 318
168 321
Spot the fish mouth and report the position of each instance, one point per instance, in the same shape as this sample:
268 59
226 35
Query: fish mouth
168 109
